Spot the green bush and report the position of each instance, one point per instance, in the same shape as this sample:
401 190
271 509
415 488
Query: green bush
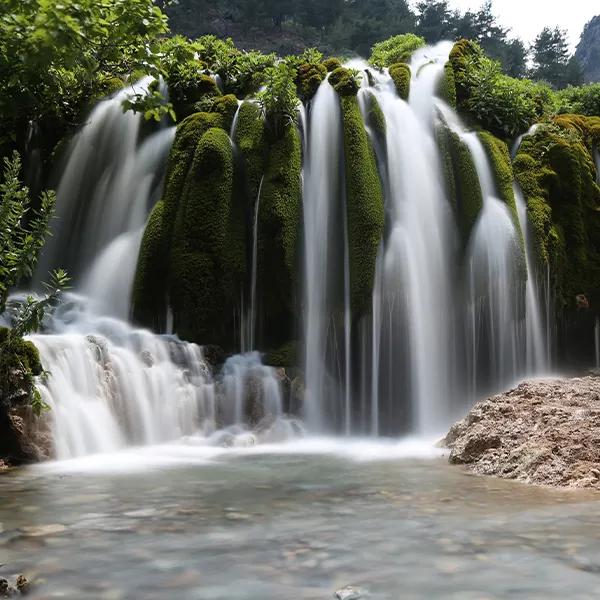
397 49
278 99
584 100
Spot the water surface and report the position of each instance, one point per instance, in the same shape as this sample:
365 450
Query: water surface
296 521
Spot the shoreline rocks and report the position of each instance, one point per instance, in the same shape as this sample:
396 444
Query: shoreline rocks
543 432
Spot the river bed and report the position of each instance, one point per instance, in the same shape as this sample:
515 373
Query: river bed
294 521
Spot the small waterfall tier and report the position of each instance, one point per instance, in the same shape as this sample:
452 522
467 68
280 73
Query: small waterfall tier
110 386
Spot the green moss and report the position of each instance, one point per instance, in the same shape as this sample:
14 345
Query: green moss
226 106
447 87
331 64
109 86
460 55
286 356
149 290
309 78
279 229
375 118
364 206
501 164
250 139
462 180
556 171
400 74
19 364
344 82
207 258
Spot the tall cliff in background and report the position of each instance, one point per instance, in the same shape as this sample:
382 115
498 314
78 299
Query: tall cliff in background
588 50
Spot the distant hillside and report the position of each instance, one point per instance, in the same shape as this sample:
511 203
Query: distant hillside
588 50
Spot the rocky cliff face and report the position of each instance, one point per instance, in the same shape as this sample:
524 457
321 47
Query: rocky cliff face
588 50
545 432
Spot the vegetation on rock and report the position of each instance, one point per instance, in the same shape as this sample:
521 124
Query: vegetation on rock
397 49
401 74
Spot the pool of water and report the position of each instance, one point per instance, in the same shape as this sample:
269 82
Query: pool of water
297 521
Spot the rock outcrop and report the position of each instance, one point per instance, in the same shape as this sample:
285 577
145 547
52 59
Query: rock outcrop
545 432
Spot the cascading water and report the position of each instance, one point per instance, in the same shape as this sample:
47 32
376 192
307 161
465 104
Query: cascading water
323 170
111 385
536 348
437 319
112 177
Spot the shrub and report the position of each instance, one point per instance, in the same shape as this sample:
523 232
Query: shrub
396 49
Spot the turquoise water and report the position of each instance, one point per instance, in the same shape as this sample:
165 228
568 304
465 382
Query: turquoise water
298 521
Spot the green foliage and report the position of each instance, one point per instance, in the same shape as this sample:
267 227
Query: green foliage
278 99
397 49
22 229
54 55
584 100
501 104
346 82
364 206
375 118
401 75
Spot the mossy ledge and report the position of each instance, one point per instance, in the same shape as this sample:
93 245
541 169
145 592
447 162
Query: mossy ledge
447 86
364 206
279 234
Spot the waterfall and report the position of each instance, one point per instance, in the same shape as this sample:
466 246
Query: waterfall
112 386
112 177
494 283
321 192
537 359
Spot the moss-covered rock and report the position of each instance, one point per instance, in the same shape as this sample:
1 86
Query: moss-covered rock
462 181
207 256
344 81
226 106
364 206
447 87
375 118
251 141
279 235
460 55
287 355
555 169
309 78
331 64
400 74
150 291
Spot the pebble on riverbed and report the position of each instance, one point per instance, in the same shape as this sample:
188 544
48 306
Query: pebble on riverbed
349 593
7 590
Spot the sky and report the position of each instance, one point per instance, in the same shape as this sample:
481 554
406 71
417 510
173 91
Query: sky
527 18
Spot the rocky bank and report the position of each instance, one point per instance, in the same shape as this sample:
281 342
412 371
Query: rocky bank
544 432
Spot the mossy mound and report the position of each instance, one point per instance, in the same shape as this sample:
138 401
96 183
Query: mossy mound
309 78
149 303
460 55
149 290
250 139
279 230
364 206
447 87
375 118
499 157
462 181
331 64
344 82
208 256
556 171
400 74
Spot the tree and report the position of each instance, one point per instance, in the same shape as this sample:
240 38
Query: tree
435 20
551 56
55 55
